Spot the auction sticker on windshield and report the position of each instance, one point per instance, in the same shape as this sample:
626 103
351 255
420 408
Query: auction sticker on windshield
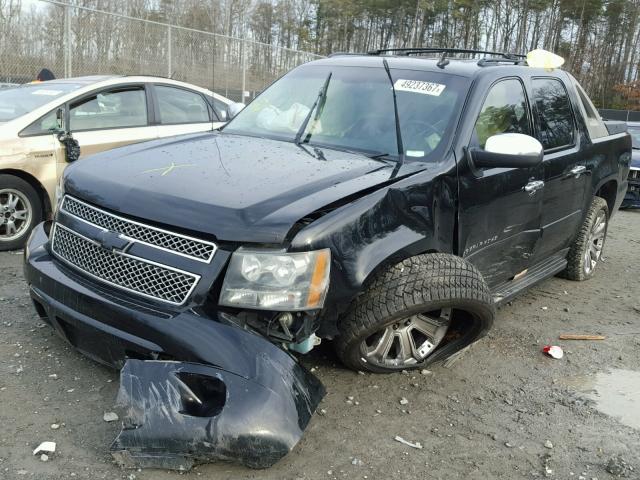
416 86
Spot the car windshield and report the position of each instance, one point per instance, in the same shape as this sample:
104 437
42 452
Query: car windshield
15 102
635 136
356 112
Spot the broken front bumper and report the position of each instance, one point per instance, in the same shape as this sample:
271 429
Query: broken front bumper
218 392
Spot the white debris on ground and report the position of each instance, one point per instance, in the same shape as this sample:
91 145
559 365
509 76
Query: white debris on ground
45 447
417 445
110 416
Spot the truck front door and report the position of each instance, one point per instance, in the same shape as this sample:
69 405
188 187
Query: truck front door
499 221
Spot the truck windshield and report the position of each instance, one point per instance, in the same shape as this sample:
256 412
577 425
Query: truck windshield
635 137
15 102
356 111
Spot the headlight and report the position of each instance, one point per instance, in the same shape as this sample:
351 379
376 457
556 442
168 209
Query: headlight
59 193
266 280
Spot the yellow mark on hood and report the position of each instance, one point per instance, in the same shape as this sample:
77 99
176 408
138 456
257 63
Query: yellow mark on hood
167 170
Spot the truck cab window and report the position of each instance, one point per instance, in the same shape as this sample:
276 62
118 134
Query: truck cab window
505 110
553 112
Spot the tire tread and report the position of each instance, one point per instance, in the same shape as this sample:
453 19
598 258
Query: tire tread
575 257
420 280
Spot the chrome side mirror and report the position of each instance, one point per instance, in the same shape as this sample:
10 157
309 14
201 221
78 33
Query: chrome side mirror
508 150
234 109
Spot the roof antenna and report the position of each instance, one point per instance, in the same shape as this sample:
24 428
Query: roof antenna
443 62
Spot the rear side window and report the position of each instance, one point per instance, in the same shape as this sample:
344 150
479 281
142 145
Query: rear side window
505 110
111 109
594 123
176 105
553 112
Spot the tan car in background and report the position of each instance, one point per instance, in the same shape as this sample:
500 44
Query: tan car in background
100 113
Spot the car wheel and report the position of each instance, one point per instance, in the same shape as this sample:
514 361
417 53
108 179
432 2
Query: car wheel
20 211
405 313
586 251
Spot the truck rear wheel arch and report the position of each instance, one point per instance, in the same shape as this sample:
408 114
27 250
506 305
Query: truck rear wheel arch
609 191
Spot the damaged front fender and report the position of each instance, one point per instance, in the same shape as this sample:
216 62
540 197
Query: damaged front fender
177 414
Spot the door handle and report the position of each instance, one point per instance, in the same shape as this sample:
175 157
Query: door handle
578 170
532 187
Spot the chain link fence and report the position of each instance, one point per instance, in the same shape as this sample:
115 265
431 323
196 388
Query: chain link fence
72 41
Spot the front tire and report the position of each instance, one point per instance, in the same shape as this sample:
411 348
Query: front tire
20 211
586 251
406 311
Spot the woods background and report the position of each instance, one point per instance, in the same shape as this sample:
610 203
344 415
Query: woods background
600 39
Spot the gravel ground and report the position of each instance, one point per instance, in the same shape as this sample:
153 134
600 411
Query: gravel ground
502 410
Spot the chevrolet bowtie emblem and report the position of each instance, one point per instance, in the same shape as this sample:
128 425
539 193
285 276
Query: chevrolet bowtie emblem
113 241
167 170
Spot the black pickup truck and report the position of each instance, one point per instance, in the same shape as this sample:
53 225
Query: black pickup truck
386 201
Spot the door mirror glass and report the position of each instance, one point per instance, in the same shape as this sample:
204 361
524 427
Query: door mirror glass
508 150
234 109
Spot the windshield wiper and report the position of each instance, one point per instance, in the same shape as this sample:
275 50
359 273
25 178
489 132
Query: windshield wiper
322 96
395 109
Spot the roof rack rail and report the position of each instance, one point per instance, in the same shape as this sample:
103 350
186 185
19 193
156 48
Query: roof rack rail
483 62
498 57
345 54
419 50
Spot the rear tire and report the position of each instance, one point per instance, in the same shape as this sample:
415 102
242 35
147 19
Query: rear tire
586 250
404 314
20 211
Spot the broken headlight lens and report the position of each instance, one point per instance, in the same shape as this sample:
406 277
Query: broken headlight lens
268 280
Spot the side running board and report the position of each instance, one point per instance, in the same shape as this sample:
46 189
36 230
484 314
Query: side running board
545 269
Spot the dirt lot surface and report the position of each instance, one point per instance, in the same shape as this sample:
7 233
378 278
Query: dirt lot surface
502 410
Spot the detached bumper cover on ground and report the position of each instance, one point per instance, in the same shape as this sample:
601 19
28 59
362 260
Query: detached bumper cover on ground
226 393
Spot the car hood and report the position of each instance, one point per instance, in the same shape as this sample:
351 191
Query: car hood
635 158
234 188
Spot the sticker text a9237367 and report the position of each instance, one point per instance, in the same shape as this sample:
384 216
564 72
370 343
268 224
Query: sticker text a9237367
417 86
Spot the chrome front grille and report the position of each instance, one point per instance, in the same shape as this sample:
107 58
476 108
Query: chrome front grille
121 270
173 242
634 174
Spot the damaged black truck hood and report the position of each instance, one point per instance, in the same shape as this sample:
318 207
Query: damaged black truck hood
236 188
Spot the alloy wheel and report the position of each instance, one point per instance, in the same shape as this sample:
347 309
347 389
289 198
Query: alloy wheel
15 214
593 252
407 341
